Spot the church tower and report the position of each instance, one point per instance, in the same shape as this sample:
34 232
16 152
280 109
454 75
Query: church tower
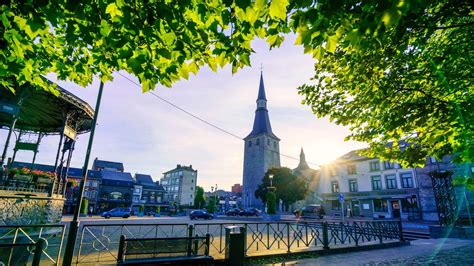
261 151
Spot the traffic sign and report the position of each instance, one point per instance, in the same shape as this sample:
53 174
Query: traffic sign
341 197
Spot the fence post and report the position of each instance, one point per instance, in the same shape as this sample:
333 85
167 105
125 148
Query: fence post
356 239
38 251
400 231
379 229
190 242
325 236
208 244
288 237
120 249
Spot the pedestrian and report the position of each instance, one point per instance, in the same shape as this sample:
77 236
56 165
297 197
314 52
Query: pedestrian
90 211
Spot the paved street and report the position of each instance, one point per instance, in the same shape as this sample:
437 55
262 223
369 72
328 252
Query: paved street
420 252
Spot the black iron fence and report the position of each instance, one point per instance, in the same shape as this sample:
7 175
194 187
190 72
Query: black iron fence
100 243
31 244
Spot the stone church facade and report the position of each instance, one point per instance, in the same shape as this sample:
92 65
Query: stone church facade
261 151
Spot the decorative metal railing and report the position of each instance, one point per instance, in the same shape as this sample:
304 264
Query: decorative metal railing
99 243
17 243
30 186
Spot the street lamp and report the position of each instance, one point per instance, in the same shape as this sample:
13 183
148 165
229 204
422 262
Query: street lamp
271 180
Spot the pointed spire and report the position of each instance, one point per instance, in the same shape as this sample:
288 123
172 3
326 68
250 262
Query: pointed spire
261 124
303 164
261 89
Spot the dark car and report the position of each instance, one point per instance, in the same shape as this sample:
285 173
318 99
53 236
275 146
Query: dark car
250 212
233 212
314 211
117 212
200 215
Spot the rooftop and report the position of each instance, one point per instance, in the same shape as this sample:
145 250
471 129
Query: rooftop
107 165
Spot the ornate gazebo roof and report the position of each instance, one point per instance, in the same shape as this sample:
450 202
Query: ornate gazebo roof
42 111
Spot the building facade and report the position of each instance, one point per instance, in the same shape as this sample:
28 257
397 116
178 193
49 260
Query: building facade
371 188
261 151
152 193
180 185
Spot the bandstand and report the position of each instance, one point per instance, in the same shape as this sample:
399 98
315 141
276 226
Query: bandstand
31 195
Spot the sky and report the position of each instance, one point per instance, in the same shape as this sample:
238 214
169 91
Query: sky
151 137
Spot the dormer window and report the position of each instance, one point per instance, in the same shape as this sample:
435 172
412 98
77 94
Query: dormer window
257 142
250 143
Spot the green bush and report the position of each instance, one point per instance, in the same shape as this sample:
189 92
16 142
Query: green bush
271 202
84 205
211 206
158 209
141 208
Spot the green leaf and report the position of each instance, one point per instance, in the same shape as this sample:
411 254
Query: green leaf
331 44
113 10
105 28
278 9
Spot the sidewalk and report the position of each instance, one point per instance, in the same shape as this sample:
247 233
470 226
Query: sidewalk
420 252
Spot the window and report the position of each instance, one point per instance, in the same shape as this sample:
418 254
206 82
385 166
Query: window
380 205
407 180
88 183
115 195
374 166
353 185
268 142
249 143
274 144
257 142
391 181
376 182
351 169
335 205
86 193
432 159
93 194
409 204
389 165
335 186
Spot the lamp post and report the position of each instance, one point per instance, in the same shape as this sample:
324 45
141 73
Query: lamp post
74 225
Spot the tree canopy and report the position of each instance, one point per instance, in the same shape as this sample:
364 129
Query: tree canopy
287 187
395 70
157 41
199 198
390 70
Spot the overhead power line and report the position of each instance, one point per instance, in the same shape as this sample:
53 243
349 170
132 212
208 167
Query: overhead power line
203 120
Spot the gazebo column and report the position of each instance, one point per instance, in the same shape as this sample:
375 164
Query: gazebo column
68 163
61 137
36 150
15 112
15 150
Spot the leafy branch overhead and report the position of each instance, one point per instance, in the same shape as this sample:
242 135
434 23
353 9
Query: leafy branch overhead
157 41
390 70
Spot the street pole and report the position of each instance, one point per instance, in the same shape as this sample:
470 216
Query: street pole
74 225
342 211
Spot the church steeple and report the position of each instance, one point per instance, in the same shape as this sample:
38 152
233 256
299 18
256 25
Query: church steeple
303 164
261 124
262 98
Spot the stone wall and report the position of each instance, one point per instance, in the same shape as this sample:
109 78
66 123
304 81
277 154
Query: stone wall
18 208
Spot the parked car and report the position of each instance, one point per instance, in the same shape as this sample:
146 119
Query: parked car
200 215
233 212
117 212
314 211
250 212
